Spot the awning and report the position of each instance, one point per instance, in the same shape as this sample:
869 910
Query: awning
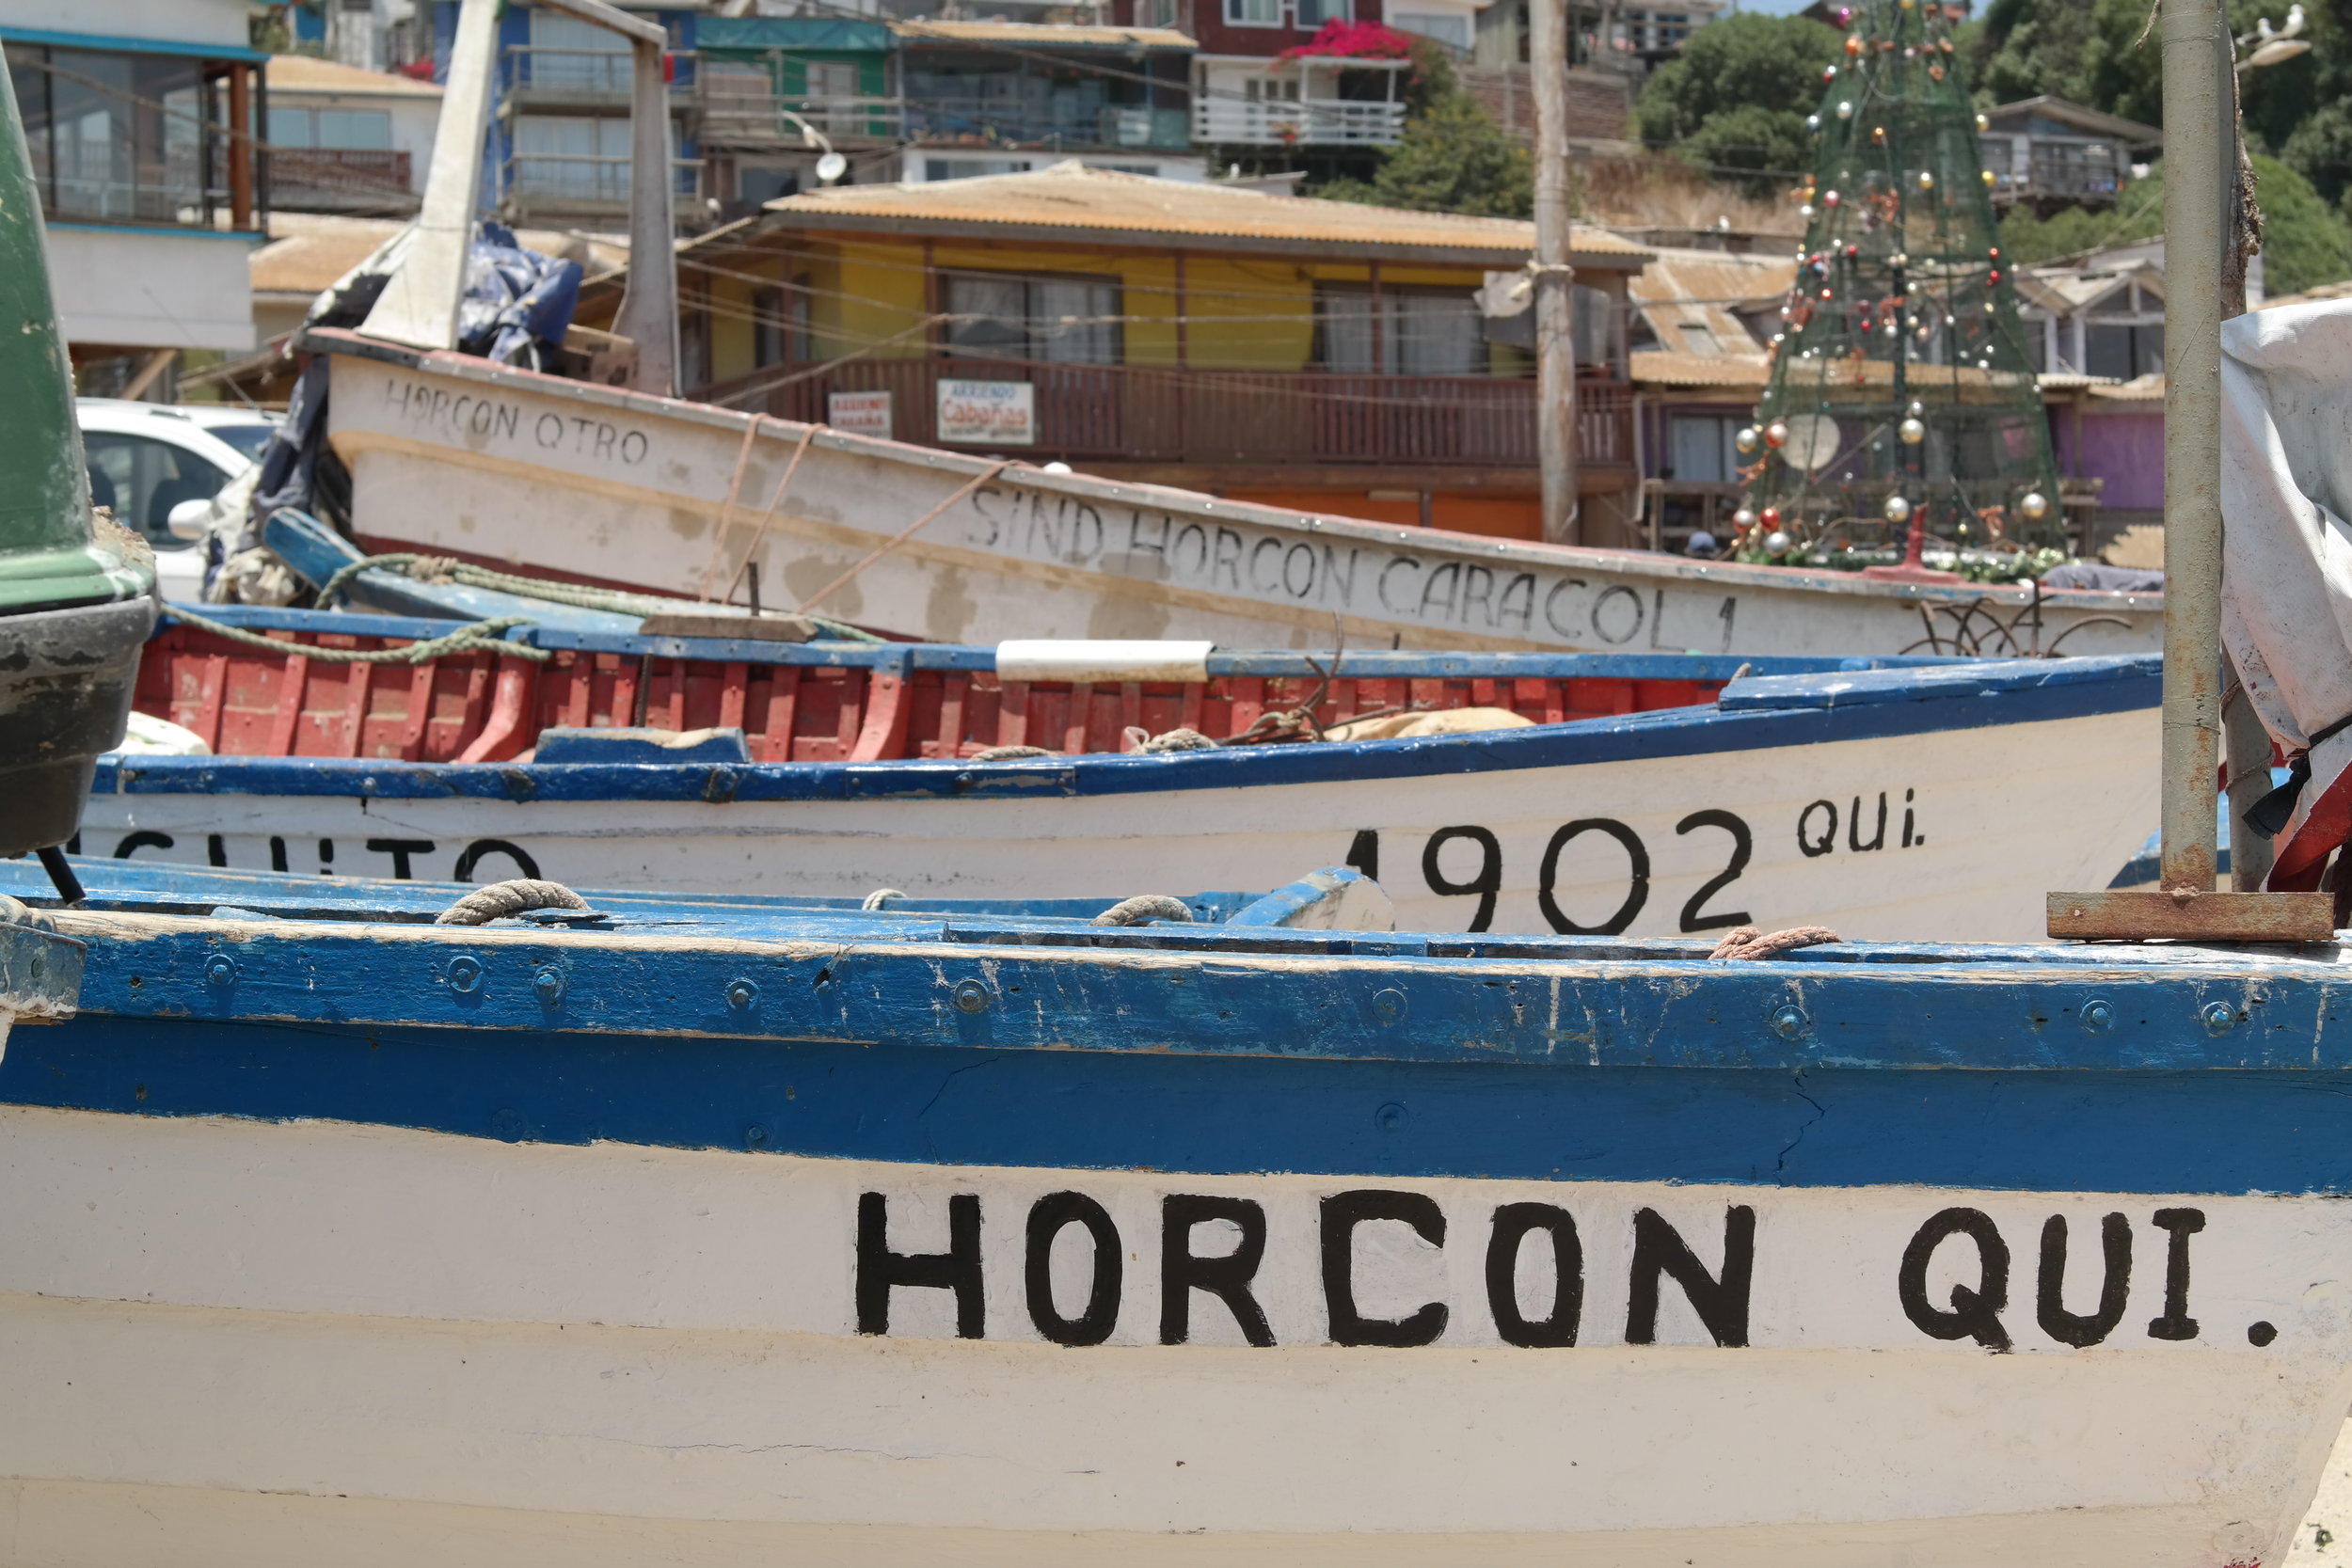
102 43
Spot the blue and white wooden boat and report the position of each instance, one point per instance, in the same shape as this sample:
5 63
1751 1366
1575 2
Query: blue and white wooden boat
717 1232
1675 794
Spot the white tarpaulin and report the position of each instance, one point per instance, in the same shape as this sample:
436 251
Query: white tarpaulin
2286 611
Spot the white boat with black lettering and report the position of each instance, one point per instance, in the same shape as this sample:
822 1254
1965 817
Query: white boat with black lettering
454 454
701 1231
1650 795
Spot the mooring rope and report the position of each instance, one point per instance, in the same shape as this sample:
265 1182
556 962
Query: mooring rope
1747 942
501 899
476 637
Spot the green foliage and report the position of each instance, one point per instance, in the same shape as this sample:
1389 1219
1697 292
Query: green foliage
2137 214
2093 54
1737 96
2305 243
1772 142
1453 158
2320 149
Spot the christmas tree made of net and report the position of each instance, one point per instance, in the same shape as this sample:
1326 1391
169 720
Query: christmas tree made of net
1902 407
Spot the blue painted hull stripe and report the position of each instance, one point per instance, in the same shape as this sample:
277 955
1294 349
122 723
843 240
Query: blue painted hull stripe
2066 1130
2116 685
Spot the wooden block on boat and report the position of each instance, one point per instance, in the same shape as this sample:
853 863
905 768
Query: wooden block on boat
2145 913
756 628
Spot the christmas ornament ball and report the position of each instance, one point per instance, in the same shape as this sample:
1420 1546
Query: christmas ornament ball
1853 43
1983 124
1776 543
1775 435
1896 509
1805 211
1913 431
1829 198
1988 178
1918 409
2034 505
1743 519
1829 74
1927 180
1770 516
1813 122
1845 109
1747 440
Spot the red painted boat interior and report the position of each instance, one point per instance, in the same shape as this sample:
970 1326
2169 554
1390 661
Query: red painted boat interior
482 708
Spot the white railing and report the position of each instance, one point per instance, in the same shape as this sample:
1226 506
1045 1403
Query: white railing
1304 122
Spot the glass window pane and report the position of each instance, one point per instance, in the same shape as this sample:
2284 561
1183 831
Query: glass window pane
1437 334
289 127
1343 323
142 480
1697 449
992 315
355 130
1073 328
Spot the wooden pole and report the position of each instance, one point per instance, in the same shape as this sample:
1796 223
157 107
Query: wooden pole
240 147
1554 279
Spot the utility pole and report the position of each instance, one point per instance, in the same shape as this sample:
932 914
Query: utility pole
1554 279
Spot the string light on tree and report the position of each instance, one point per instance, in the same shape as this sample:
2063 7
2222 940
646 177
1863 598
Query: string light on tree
1901 403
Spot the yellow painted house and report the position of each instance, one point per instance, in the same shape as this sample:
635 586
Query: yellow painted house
1314 353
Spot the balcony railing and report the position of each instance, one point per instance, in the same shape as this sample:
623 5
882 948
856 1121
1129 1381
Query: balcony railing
991 121
1113 413
332 179
539 75
1303 122
740 113
561 182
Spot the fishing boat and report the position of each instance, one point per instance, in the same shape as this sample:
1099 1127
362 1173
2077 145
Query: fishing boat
1641 794
534 1232
698 1230
628 486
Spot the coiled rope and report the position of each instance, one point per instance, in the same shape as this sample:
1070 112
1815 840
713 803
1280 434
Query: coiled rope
1144 909
501 899
1749 943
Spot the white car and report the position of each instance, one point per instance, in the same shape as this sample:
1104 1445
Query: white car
147 459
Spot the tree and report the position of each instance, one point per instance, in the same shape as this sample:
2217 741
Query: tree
1901 400
1454 158
2305 243
2099 54
1736 98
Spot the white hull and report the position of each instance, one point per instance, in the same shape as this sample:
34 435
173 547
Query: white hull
1961 834
225 1341
455 455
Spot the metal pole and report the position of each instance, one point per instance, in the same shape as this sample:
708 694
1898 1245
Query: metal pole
2197 77
1554 279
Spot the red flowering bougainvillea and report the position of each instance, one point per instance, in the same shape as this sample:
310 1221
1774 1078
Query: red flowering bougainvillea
1363 40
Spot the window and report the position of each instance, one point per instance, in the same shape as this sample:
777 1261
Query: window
1314 13
342 130
114 137
1700 447
248 438
573 157
141 479
2124 352
972 168
1063 320
1253 13
571 56
1421 332
1451 31
1700 339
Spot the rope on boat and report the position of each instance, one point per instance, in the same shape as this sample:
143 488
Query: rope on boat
1011 754
1144 909
501 899
1747 942
880 898
1174 740
477 636
443 568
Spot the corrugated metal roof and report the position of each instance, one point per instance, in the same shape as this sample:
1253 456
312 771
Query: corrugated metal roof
301 74
308 252
1691 300
1074 199
1039 35
1700 370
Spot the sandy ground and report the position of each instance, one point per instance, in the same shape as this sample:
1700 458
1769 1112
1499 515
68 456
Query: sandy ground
2326 1536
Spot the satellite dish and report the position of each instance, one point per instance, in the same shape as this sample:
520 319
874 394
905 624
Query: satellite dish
831 166
1812 441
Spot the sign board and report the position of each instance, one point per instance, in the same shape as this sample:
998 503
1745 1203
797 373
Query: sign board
988 413
859 413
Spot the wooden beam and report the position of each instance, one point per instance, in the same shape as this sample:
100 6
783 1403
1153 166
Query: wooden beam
240 147
2144 914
